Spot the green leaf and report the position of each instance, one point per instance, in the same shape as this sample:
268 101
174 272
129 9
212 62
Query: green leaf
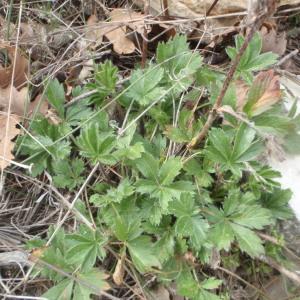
68 173
106 77
143 254
123 190
179 62
77 113
94 278
144 87
96 145
222 235
253 216
61 291
148 166
194 227
55 94
248 241
211 283
41 146
87 246
169 170
251 60
127 229
277 203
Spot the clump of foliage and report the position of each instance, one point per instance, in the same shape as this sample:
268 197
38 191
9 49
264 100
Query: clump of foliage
154 201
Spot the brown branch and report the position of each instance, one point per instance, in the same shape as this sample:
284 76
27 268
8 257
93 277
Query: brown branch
274 241
213 113
145 37
211 7
166 8
244 281
289 274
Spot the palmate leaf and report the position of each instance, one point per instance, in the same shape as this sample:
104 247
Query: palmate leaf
145 85
251 60
179 62
192 289
86 247
105 77
55 94
68 173
96 145
189 223
143 254
245 148
42 147
236 220
91 282
123 190
160 183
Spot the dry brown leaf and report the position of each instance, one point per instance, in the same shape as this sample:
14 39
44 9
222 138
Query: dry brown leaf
6 137
37 105
241 89
6 67
273 41
94 35
118 36
119 272
18 99
267 92
271 93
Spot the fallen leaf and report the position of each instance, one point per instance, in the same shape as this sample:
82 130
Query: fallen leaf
119 272
8 131
273 41
37 253
118 36
37 105
18 99
94 35
160 293
7 56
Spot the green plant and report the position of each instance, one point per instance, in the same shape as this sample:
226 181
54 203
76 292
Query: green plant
156 200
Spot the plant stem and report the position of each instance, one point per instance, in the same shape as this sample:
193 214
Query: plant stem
213 113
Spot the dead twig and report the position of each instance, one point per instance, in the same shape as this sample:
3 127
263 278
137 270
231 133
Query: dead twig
287 57
211 7
244 281
274 241
145 37
281 269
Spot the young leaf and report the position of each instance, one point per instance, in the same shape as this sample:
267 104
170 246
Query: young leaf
251 60
56 96
179 62
97 145
124 189
68 173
